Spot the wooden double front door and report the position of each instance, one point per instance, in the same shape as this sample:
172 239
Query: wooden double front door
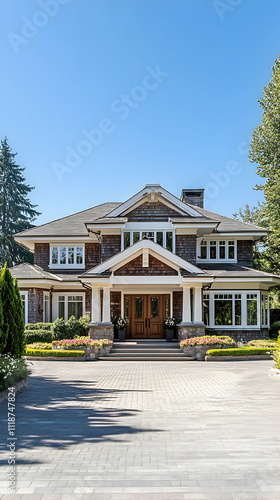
146 315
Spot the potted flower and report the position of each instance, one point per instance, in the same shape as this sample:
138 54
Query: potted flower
169 325
120 325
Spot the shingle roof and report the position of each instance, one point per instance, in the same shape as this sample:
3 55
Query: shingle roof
29 271
72 225
234 271
227 224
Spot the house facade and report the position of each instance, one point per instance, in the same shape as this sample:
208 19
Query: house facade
146 259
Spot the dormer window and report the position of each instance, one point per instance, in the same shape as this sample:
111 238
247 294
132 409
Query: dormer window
163 238
67 257
217 250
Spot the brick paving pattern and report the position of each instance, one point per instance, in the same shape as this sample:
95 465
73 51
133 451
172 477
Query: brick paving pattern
146 430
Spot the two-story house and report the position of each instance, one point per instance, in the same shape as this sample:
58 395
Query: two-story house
148 258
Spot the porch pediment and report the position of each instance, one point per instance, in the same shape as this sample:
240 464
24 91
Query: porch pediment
144 258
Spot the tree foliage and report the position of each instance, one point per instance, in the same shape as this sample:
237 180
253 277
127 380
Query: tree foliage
265 152
16 211
13 319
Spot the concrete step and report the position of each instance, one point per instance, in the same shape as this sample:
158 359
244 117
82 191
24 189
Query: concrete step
145 358
148 354
147 349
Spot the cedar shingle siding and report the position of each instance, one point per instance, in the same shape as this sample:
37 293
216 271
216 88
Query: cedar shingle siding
92 255
151 211
42 256
156 268
245 253
111 244
177 304
115 304
186 247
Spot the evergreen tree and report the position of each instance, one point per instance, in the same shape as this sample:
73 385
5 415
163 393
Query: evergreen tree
3 335
20 324
265 151
16 211
9 305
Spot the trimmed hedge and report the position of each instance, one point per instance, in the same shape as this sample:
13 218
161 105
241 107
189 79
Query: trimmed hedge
239 351
38 326
38 336
58 354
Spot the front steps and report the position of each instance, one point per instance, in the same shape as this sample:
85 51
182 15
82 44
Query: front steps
141 350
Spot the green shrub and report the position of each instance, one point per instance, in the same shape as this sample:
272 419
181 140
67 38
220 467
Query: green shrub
38 326
274 329
12 371
268 343
240 351
59 354
76 327
38 336
12 338
59 329
39 345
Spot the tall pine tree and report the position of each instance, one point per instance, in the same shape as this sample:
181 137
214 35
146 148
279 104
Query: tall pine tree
16 211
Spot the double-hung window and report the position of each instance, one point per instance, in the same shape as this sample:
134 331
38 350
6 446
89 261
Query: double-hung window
234 309
68 305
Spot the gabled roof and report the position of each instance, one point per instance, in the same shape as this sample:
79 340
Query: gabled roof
153 190
133 251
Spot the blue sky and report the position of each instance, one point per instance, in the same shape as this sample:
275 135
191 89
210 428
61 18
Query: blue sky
166 90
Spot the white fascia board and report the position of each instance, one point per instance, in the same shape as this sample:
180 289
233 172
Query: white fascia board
146 280
153 226
157 189
195 280
102 226
273 281
31 283
242 234
130 252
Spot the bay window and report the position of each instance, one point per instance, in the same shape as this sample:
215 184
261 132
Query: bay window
235 309
265 309
67 257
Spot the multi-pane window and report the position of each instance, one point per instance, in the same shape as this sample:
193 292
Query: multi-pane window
46 310
24 298
67 256
264 310
217 250
70 305
163 238
235 309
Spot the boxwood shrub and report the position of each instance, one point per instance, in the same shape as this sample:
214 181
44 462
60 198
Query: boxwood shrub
38 336
240 351
58 354
38 326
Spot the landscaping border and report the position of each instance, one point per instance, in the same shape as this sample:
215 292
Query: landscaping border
238 358
20 386
56 358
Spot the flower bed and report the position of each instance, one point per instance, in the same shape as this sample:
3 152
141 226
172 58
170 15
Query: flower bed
268 343
196 347
92 348
12 371
39 345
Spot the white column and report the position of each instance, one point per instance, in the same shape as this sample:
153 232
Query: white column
95 305
197 317
106 310
186 317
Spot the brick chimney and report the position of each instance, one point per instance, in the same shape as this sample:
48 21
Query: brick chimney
193 197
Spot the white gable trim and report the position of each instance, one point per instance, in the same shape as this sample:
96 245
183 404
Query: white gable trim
149 189
135 250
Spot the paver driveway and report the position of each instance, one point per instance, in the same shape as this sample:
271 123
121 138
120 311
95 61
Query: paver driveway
151 430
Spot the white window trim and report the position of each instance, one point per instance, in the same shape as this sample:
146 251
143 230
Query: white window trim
67 266
25 293
243 294
266 294
149 230
207 240
65 294
46 294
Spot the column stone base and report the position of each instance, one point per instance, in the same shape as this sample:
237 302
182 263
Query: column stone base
101 331
185 331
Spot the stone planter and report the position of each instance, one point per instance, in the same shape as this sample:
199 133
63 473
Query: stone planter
91 352
107 349
121 335
201 350
189 351
169 334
